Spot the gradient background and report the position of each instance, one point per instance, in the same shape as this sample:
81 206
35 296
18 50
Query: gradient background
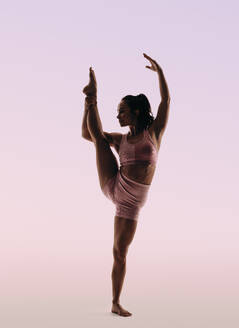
56 225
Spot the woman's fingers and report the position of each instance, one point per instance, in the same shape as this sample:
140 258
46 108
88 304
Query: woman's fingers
153 62
149 58
146 56
155 66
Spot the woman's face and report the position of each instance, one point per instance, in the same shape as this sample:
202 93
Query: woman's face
125 116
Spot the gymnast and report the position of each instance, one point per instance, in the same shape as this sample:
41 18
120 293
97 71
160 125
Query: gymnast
127 187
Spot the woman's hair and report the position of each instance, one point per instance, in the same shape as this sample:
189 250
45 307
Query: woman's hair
140 102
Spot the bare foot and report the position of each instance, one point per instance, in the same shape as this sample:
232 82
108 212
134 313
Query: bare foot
91 87
117 308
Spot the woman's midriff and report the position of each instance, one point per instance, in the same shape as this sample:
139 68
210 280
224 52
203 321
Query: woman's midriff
142 173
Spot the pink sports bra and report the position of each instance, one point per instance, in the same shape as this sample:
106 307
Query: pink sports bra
142 151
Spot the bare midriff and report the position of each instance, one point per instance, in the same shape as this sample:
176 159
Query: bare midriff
142 173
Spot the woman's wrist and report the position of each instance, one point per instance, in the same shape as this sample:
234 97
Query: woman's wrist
159 70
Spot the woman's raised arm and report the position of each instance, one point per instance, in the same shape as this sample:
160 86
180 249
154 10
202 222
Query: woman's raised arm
160 122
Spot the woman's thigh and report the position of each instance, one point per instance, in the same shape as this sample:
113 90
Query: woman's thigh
124 231
106 162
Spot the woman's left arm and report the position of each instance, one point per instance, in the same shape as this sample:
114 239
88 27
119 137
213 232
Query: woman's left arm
163 86
161 119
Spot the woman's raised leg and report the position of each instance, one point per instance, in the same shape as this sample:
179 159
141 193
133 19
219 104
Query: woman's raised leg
106 162
107 165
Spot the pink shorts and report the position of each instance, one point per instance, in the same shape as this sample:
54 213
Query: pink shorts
128 195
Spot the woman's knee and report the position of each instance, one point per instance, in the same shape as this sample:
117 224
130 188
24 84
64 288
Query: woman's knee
120 253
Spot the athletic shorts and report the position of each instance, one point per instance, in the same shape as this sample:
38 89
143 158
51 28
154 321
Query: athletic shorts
128 195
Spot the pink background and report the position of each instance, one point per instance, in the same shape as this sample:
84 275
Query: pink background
56 225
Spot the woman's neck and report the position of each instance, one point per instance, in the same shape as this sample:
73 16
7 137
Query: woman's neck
134 130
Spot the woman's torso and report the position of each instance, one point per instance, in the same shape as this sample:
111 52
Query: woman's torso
142 173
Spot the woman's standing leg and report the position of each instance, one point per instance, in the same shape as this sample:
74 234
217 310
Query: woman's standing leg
124 230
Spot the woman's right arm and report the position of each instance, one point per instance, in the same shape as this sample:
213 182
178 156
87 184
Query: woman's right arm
111 137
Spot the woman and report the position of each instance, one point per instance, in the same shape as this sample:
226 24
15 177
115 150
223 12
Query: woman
128 186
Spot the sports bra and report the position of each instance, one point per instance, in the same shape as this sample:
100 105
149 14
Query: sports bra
142 151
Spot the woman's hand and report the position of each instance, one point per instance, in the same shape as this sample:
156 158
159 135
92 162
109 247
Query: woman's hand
154 65
91 88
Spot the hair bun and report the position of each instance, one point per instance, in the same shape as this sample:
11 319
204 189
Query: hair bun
141 97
